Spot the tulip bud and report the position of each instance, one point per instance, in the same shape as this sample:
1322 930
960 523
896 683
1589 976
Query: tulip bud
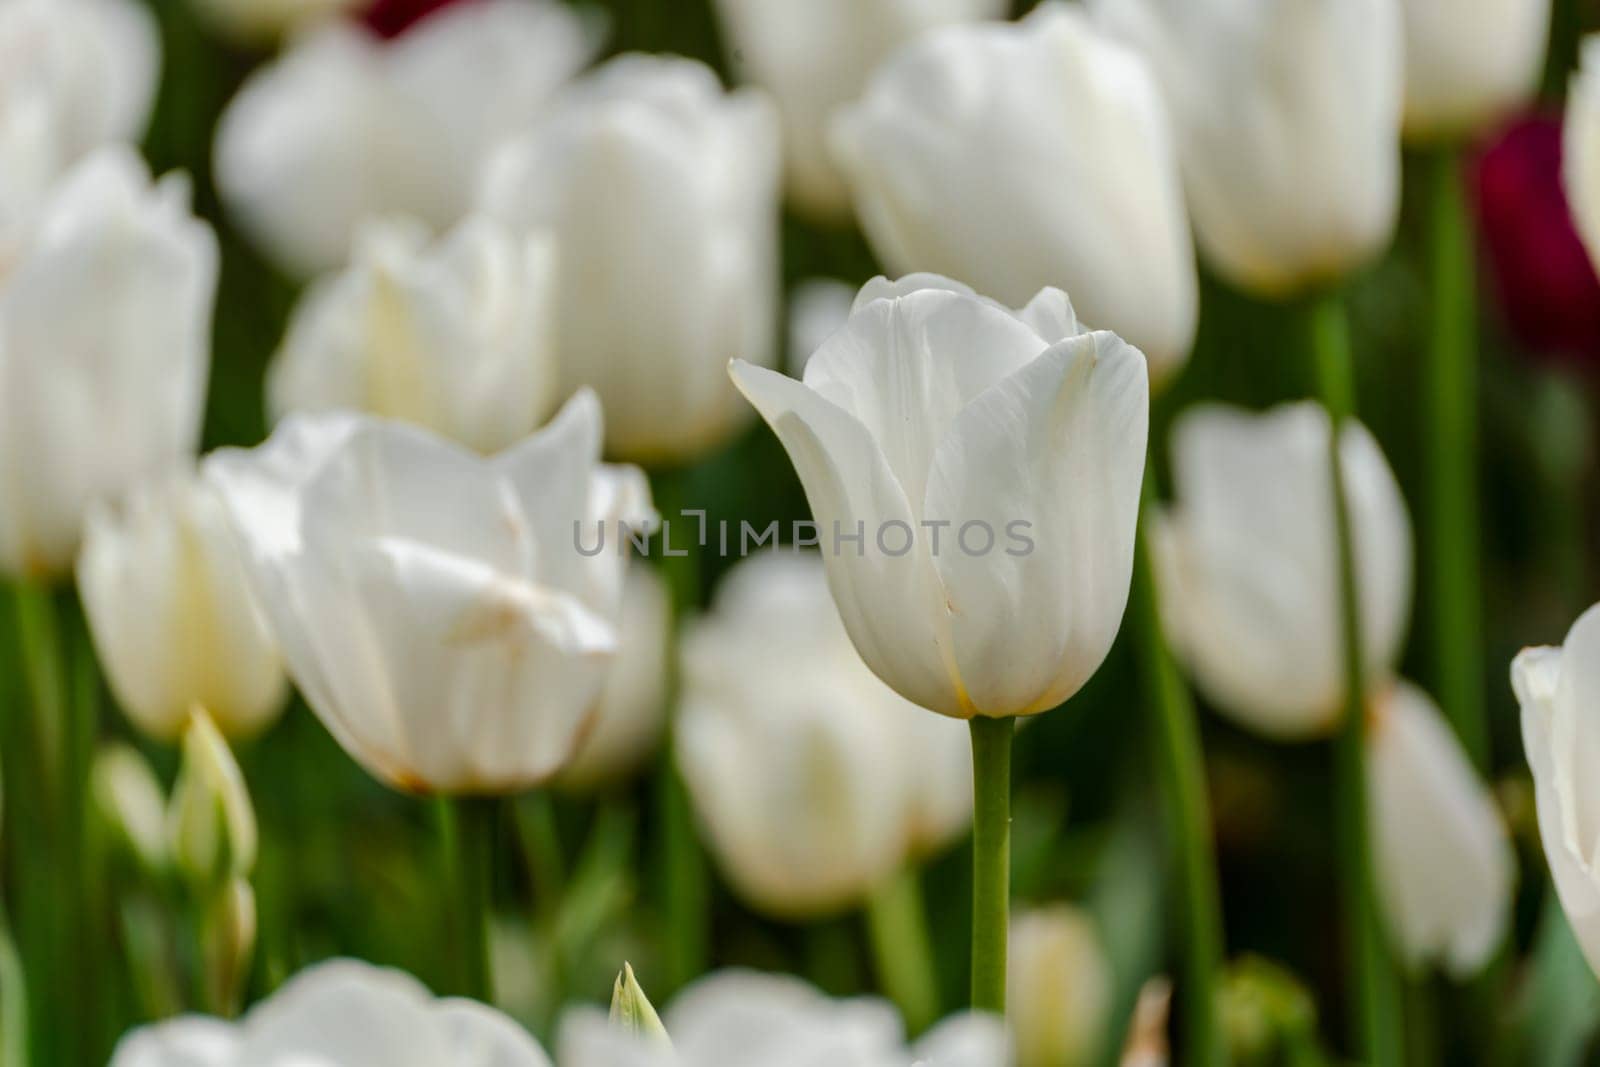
211 825
1581 148
172 615
1060 989
662 191
932 151
227 942
1267 1014
1288 127
815 57
1470 65
132 805
632 1012
457 337
105 326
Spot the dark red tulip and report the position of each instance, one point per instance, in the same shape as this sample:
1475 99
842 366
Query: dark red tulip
391 18
1544 277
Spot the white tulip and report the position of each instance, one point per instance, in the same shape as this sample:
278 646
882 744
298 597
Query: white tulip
457 337
1288 122
259 21
1469 65
662 191
815 781
344 127
816 57
171 613
131 804
1019 156
1559 689
1247 562
987 464
1580 164
1060 989
434 606
74 75
340 1014
632 712
1443 862
104 342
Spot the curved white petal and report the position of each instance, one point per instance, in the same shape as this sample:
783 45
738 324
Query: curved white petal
1580 149
1468 68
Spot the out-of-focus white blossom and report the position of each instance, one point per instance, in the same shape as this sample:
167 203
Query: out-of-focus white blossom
172 615
815 781
662 191
131 804
1580 156
1060 988
74 75
105 324
632 710
1016 156
344 127
342 1014
815 57
817 308
1468 65
989 464
435 607
1288 121
456 336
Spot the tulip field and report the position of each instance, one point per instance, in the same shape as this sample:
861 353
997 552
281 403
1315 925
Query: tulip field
799 533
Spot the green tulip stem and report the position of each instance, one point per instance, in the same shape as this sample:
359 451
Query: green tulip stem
1180 766
991 860
1374 993
466 830
1450 394
897 923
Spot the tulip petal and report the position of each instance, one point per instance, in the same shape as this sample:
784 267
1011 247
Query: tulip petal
891 604
189 1041
550 473
1444 865
480 1036
1060 445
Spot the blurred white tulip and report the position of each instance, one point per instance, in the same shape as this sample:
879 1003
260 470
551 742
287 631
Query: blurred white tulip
815 781
1288 121
1016 156
104 343
261 21
211 824
433 606
131 804
1443 861
662 191
457 337
1580 155
737 1018
1559 689
817 308
1060 989
987 465
1247 563
74 75
817 56
171 612
1470 65
632 711
344 127
341 1013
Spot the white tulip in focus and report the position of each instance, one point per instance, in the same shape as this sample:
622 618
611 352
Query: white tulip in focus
1060 989
815 57
457 336
171 612
1015 156
1443 862
632 712
74 75
433 606
340 1014
1580 144
211 824
987 465
1468 65
344 127
1559 689
258 21
105 327
815 781
662 191
1247 563
1288 121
